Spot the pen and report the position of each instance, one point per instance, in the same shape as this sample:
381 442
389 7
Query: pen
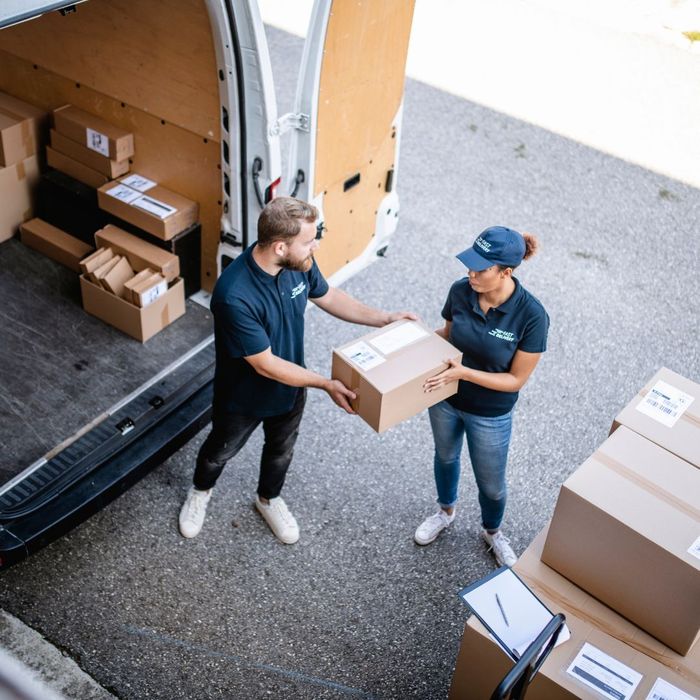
503 612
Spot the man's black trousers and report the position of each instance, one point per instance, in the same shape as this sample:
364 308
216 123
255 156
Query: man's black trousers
231 431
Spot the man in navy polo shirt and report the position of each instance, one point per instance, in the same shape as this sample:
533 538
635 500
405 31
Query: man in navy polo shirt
258 306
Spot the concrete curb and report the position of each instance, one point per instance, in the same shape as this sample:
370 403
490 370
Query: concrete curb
42 667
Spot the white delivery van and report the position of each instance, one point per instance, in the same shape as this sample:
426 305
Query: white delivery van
87 411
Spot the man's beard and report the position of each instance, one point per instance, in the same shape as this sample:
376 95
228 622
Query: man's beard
303 265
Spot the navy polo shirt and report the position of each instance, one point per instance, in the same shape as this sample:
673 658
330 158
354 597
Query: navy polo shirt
489 341
253 311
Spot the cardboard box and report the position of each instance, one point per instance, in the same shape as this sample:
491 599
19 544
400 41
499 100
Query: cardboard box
149 289
147 205
37 118
17 189
16 138
92 159
133 282
387 367
141 254
140 323
482 664
622 529
666 411
97 274
54 243
74 168
98 258
95 133
114 280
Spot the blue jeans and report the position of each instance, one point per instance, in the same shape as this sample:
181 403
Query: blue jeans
488 439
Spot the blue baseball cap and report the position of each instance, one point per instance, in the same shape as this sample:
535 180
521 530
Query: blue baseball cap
497 245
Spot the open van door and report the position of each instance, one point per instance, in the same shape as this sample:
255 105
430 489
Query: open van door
347 127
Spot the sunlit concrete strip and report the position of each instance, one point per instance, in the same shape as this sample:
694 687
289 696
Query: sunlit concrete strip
611 78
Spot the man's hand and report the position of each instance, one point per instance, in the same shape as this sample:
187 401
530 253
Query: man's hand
454 371
340 394
398 315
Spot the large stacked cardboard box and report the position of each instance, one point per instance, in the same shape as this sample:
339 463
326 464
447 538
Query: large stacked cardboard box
21 126
621 559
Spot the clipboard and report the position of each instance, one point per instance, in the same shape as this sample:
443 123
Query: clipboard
510 611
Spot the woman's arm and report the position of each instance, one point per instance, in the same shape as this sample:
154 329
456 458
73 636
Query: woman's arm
444 332
520 370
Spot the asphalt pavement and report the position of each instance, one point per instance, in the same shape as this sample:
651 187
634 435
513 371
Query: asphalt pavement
356 609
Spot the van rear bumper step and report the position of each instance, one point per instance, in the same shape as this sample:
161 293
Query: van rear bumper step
75 482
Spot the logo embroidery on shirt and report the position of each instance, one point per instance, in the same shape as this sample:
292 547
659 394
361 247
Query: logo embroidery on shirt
503 335
298 290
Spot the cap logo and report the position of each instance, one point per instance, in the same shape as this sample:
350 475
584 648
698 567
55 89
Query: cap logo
483 244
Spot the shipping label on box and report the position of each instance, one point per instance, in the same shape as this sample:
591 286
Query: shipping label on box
667 412
387 367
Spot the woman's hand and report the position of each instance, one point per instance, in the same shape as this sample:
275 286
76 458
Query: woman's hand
454 371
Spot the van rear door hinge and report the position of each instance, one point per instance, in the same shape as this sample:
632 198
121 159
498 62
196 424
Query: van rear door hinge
289 121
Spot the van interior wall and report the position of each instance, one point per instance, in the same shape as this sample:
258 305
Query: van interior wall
147 66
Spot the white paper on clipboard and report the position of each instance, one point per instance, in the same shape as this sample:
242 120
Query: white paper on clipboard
513 614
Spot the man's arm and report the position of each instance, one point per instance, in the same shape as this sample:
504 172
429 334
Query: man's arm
341 305
285 372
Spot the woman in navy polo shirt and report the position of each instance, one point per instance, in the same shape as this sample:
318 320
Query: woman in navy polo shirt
501 330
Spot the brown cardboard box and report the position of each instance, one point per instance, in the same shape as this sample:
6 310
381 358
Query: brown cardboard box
54 243
150 207
16 138
95 133
37 118
481 664
100 272
92 159
75 168
388 368
141 254
621 531
17 186
133 282
140 323
92 262
114 280
148 290
683 437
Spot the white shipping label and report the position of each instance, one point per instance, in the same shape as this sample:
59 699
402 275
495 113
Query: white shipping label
398 337
695 548
97 142
154 206
138 182
123 193
363 356
665 404
663 690
150 295
599 671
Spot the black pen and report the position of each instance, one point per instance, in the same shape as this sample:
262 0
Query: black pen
503 612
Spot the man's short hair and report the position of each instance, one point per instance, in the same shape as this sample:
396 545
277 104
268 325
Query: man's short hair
281 220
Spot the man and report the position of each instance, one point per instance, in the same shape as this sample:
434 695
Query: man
258 306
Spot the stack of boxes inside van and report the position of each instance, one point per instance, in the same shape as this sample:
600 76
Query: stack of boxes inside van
131 239
621 559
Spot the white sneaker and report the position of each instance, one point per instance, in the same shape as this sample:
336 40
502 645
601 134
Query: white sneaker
193 511
500 546
431 527
280 520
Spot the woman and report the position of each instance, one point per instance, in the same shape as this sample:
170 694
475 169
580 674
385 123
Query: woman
501 330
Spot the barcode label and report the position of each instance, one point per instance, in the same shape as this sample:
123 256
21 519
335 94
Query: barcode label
608 676
123 193
154 206
663 690
150 295
138 182
665 403
97 141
